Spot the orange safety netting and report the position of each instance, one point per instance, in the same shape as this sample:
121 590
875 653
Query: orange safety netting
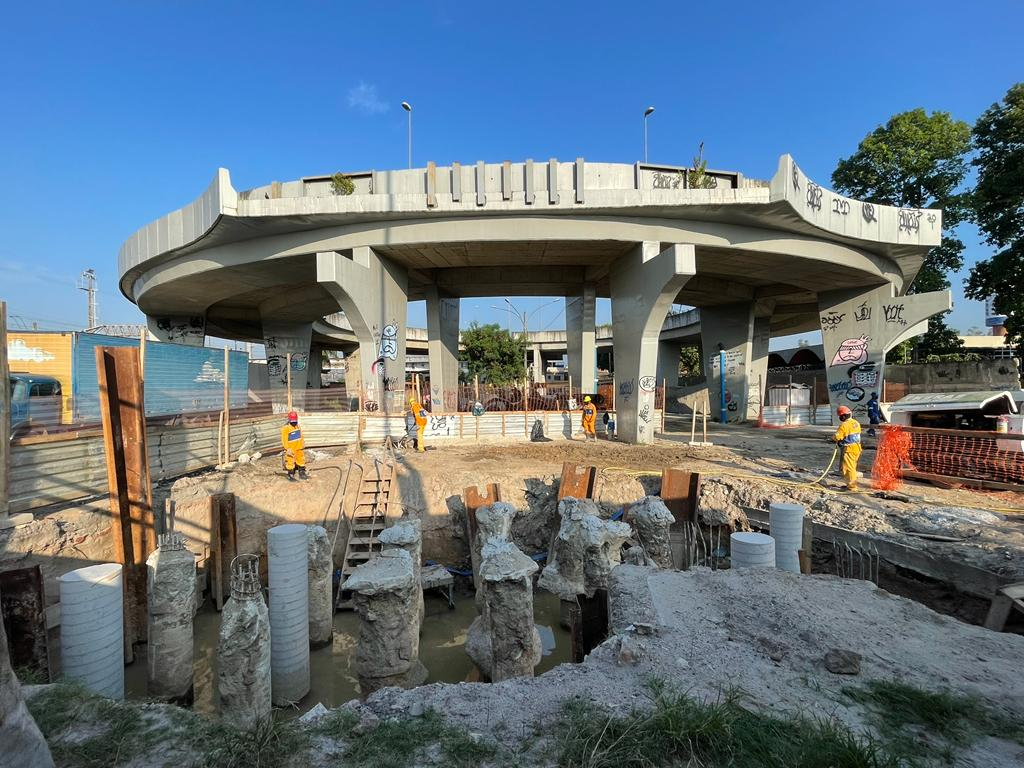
892 453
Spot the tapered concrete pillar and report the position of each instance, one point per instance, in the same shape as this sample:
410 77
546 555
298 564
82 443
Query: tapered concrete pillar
178 329
372 290
742 331
171 589
443 349
644 283
538 365
859 327
287 343
580 337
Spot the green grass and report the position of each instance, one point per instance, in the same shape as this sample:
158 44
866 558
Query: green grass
931 724
271 744
401 743
678 730
116 732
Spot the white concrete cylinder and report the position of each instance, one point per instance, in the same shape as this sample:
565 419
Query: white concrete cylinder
786 524
752 550
92 628
287 555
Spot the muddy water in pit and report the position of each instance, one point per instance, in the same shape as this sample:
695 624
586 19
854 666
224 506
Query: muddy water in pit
332 669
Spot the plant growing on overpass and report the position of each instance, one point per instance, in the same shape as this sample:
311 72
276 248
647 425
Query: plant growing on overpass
342 184
699 178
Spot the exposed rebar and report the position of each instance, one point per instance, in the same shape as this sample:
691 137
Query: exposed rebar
245 577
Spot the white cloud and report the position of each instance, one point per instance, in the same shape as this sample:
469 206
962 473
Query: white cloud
364 98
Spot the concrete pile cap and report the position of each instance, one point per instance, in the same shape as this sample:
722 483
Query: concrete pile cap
389 571
495 516
653 508
576 508
501 560
402 534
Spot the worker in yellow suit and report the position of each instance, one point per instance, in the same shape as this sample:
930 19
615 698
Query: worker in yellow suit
419 413
589 419
848 438
294 447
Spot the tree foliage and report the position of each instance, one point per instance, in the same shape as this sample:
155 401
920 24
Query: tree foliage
917 160
699 178
493 354
999 210
342 184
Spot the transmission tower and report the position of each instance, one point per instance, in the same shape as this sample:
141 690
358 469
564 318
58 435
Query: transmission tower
87 283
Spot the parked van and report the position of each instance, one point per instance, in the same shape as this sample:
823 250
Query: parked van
35 402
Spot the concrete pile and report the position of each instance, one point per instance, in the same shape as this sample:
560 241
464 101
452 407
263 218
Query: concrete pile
287 557
408 535
243 651
320 567
384 592
171 587
503 641
584 551
19 735
493 522
652 521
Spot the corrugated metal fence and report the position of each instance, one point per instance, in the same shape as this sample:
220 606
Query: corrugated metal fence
63 468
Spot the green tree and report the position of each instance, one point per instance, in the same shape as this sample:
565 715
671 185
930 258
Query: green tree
917 160
699 178
342 184
493 354
998 203
691 366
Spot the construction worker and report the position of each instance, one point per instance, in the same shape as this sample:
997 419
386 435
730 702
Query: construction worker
419 413
848 439
589 419
875 416
294 447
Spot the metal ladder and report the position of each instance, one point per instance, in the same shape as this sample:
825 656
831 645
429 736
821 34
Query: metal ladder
369 518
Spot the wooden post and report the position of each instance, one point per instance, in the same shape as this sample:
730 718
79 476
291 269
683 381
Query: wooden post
288 379
789 403
142 351
5 415
707 407
664 403
570 392
227 405
814 402
128 479
476 388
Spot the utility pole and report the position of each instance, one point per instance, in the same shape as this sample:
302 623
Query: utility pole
87 283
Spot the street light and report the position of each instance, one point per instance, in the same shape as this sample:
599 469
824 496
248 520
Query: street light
408 108
524 318
647 113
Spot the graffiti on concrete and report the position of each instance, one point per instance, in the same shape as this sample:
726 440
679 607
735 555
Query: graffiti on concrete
862 313
813 196
389 341
370 406
275 365
865 375
645 413
299 361
832 320
852 351
840 206
867 210
648 383
182 329
390 383
910 221
894 313
796 178
626 388
667 180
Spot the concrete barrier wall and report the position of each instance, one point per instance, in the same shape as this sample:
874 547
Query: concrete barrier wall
63 468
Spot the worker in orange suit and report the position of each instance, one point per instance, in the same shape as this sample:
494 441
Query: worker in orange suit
848 438
589 419
294 447
419 413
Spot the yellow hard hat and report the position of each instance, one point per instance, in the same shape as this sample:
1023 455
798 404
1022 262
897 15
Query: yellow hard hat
412 401
586 399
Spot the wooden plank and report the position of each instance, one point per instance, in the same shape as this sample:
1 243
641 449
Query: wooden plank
23 606
473 500
216 560
228 538
5 416
949 481
577 481
680 490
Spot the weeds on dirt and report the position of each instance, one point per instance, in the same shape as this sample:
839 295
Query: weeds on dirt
99 732
678 730
928 723
271 744
417 741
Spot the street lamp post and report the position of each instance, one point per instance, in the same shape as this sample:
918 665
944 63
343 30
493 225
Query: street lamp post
647 113
408 108
524 318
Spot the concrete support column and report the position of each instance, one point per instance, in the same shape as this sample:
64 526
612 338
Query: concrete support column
373 292
384 594
282 339
443 349
314 372
581 336
668 362
171 588
858 327
178 329
644 283
538 365
243 650
408 535
320 566
515 645
742 331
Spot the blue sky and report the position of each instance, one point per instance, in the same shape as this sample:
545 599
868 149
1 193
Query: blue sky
117 113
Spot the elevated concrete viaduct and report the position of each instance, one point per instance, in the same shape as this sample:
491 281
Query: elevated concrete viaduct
756 258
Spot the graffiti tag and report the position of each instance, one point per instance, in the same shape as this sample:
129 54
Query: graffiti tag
667 180
370 405
275 365
842 207
910 221
389 341
863 313
832 320
645 413
299 361
626 388
813 196
894 313
867 210
648 383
